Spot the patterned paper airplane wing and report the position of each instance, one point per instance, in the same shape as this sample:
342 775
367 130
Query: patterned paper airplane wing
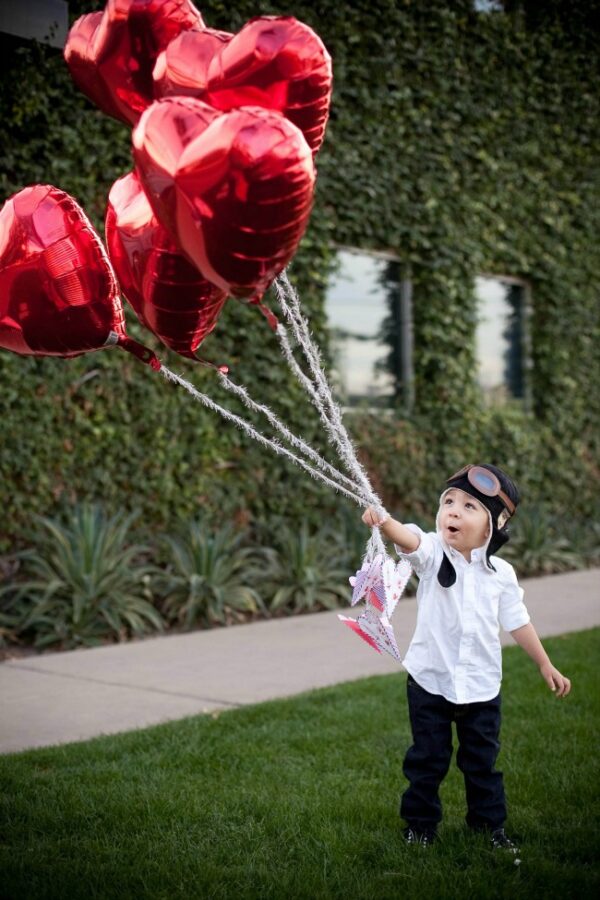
376 599
375 631
365 578
395 578
354 625
380 626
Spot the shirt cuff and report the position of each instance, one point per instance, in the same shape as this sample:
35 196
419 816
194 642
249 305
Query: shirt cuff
517 621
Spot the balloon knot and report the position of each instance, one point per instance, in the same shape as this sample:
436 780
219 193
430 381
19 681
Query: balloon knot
144 354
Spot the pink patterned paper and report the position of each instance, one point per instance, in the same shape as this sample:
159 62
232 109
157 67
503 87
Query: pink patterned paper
381 584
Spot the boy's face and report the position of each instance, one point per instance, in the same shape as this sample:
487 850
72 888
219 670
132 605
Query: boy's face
464 521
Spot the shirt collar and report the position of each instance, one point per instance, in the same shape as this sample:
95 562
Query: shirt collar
478 556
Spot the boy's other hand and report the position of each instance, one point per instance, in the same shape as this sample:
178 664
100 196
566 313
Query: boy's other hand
374 518
555 681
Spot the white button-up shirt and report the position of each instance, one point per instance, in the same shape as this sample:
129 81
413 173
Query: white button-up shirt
455 650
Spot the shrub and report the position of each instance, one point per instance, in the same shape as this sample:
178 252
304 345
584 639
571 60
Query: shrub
12 608
209 578
306 572
539 546
86 583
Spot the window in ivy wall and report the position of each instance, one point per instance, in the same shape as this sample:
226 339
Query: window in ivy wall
488 6
368 312
501 337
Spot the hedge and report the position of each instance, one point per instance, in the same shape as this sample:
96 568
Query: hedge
461 141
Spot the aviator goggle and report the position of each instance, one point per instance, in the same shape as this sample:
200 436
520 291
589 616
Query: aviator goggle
486 483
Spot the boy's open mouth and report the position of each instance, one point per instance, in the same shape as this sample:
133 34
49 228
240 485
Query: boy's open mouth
453 529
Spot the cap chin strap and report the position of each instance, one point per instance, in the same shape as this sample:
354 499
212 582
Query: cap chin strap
446 573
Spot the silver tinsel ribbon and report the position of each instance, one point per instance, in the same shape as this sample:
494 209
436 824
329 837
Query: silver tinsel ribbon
355 485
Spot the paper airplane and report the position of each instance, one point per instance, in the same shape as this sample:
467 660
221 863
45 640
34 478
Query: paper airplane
377 632
381 583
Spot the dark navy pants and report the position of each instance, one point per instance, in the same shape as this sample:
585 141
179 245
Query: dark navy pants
427 761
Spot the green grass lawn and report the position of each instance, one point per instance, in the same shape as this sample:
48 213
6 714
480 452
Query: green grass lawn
299 798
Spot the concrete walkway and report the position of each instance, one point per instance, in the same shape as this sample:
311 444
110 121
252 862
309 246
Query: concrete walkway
62 697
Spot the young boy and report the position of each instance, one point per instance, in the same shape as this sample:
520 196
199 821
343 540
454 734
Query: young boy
454 661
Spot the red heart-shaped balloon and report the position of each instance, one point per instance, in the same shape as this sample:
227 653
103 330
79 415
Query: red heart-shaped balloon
174 124
181 70
58 292
275 62
238 187
111 54
167 292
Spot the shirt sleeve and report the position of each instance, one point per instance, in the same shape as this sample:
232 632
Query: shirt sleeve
421 558
512 612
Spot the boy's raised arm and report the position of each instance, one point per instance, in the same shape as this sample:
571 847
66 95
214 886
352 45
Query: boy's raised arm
394 531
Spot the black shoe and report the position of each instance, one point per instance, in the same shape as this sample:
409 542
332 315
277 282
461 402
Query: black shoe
501 841
424 838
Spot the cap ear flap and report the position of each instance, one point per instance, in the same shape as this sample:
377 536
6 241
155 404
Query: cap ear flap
446 574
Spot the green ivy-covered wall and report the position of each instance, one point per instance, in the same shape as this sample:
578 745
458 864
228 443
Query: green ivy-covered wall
461 141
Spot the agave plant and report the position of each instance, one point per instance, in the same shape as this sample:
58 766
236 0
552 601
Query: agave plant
86 582
585 535
11 610
306 572
539 546
210 577
591 542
